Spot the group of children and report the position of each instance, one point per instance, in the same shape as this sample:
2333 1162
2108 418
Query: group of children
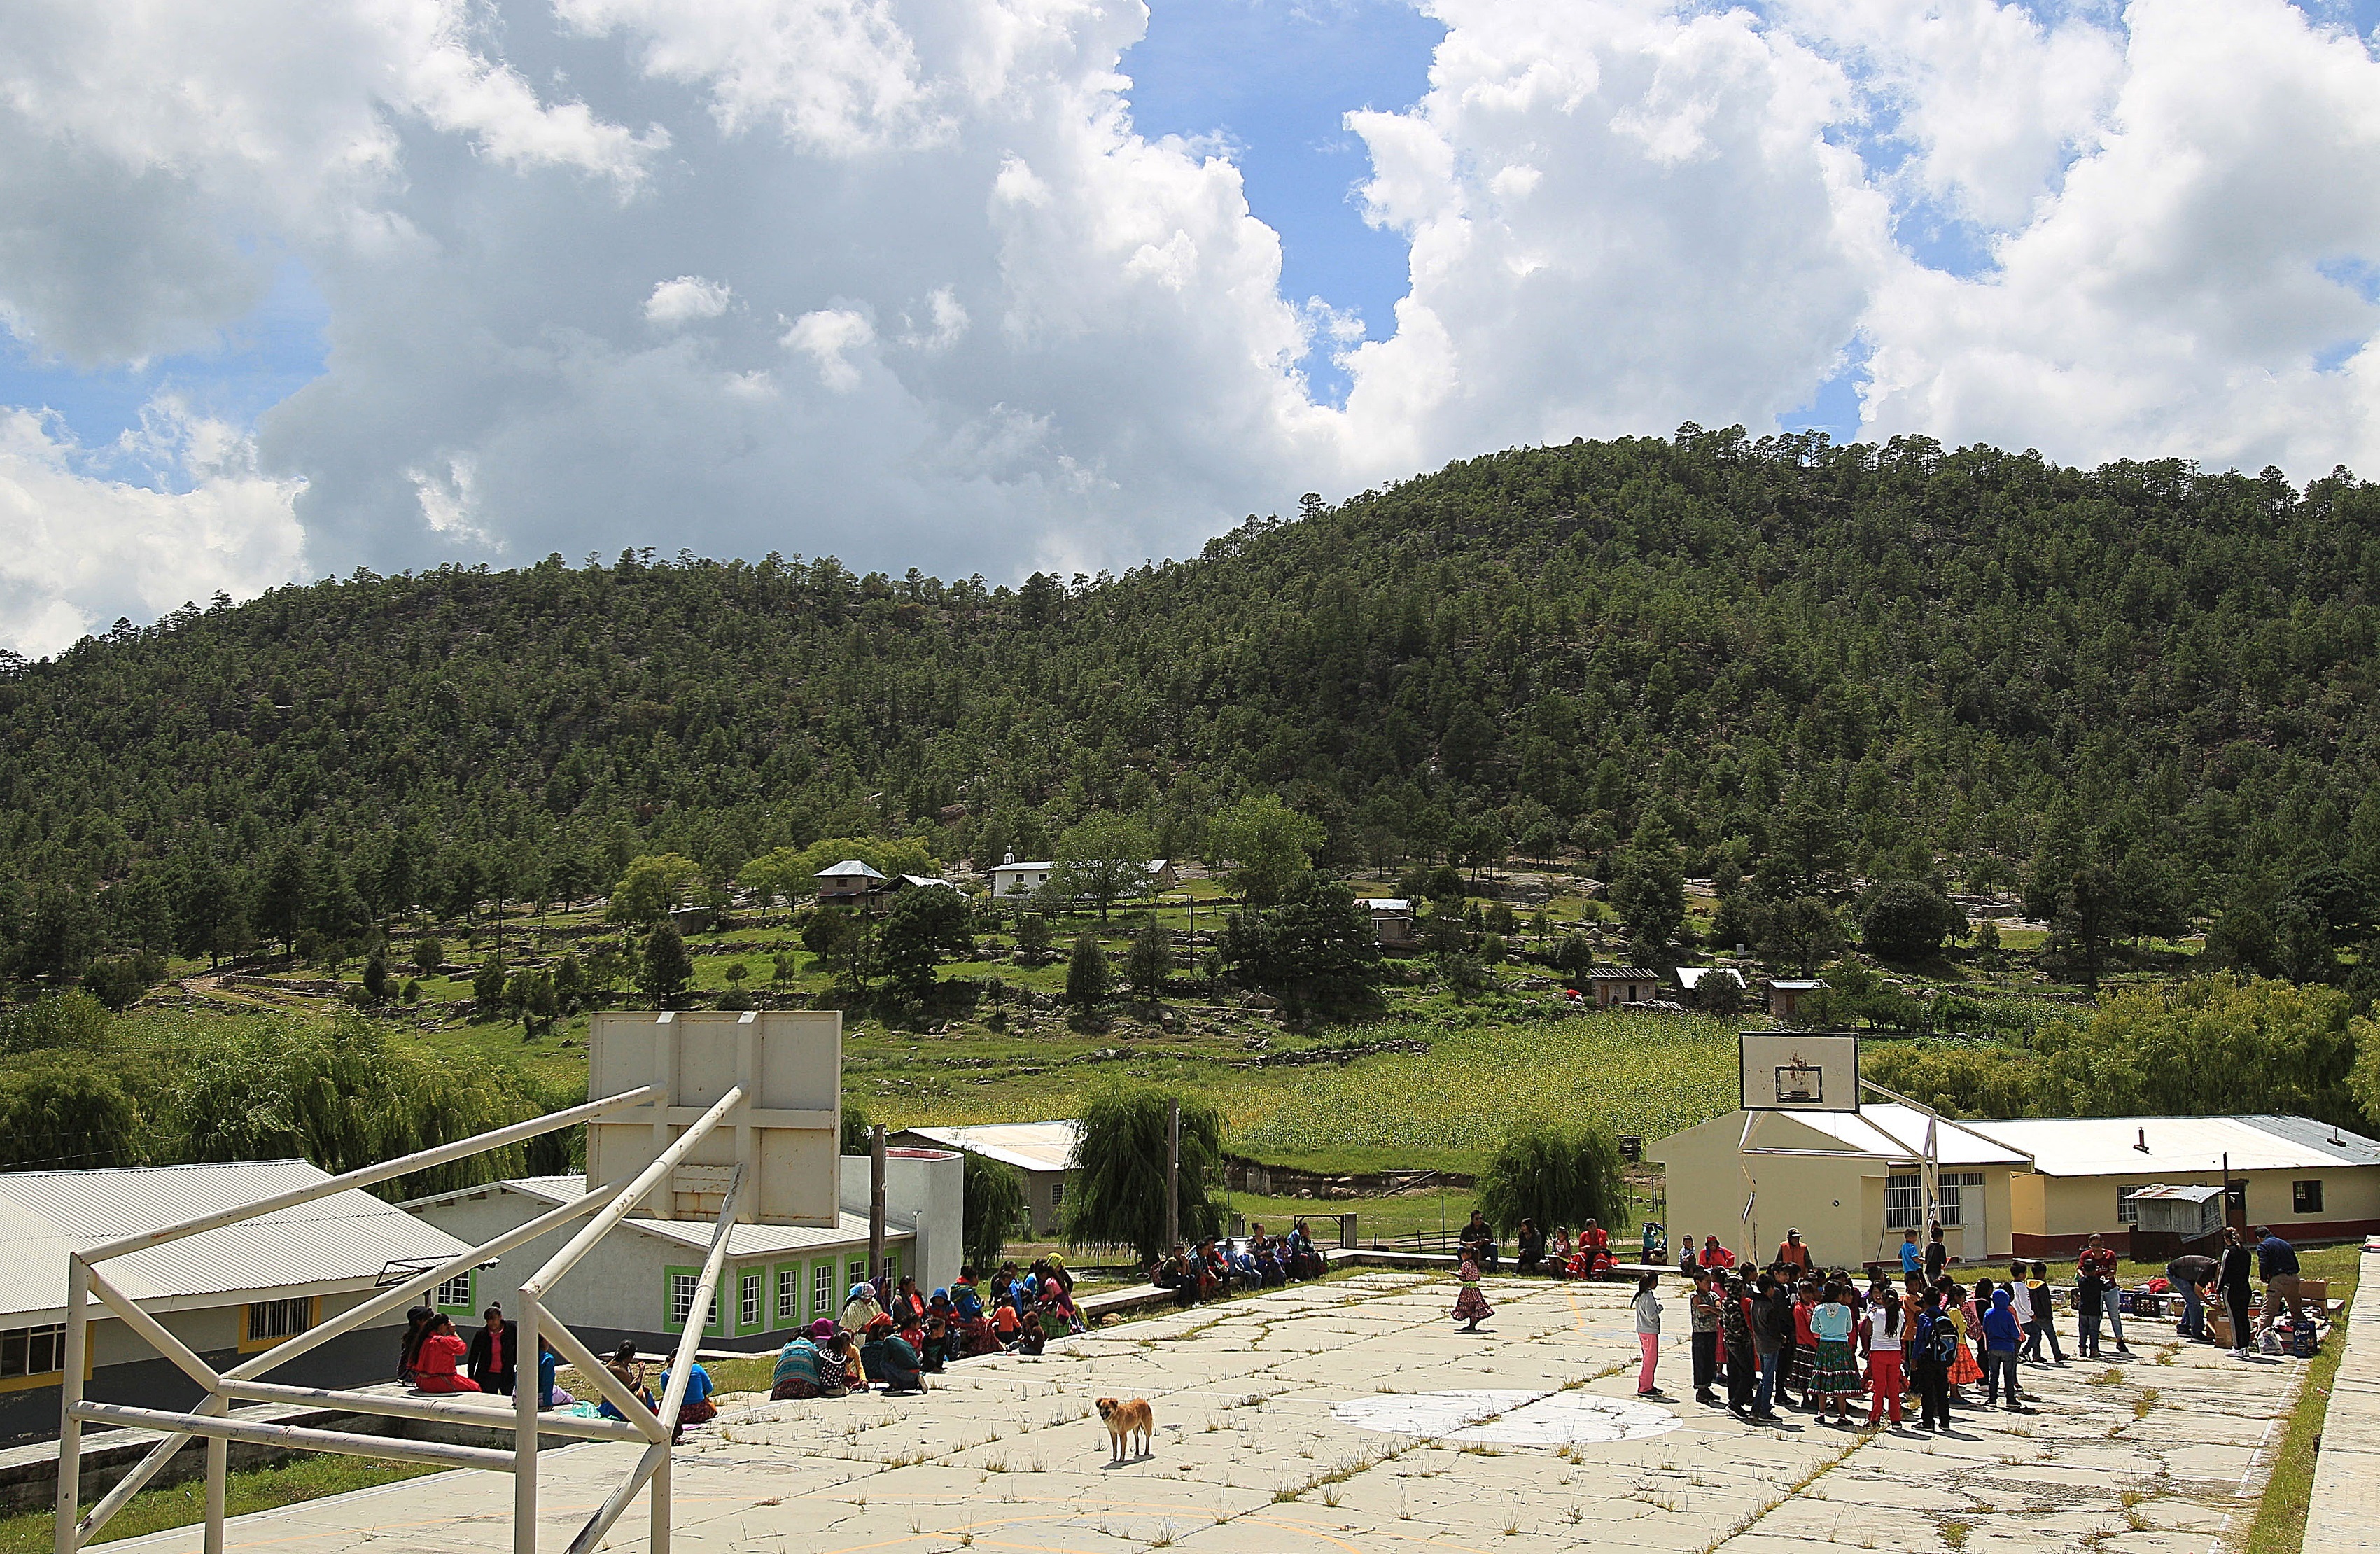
1789 1330
1259 1261
894 1339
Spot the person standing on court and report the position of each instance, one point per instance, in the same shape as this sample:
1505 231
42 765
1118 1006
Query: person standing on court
1648 1331
1702 1309
2277 1264
494 1361
2234 1278
1937 1256
2098 1262
1912 1260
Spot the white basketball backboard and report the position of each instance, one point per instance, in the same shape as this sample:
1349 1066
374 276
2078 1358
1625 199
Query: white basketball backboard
1796 1070
787 1136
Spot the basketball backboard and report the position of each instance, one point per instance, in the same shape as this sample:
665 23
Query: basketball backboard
787 1136
1797 1071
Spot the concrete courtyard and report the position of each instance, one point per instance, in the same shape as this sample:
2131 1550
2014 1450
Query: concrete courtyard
1353 1416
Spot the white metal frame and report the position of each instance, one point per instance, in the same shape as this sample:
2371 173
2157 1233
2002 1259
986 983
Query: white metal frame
609 1205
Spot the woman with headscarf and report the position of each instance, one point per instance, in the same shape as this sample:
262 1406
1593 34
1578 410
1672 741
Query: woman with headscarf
859 1308
796 1372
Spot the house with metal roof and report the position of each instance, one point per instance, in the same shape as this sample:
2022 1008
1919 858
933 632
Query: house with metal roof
225 1293
2306 1179
640 1282
848 881
1850 1182
1043 1153
1623 984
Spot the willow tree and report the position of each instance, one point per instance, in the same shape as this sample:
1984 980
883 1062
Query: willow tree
1118 1196
1555 1173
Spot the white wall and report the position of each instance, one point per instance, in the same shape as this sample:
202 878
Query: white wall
924 1192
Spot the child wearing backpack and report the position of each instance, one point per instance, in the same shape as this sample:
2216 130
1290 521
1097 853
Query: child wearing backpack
1933 1348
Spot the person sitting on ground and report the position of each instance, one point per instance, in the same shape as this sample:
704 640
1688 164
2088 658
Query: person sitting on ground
1054 1314
977 1338
939 1304
434 1362
935 1352
1007 1328
630 1371
1714 1256
696 1407
907 1305
840 1372
1688 1263
888 1358
796 1372
859 1308
416 1328
966 1300
548 1394
1532 1241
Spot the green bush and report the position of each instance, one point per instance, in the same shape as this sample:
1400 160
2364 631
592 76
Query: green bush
995 1205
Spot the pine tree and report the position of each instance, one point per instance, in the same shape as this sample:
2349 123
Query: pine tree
666 967
1090 978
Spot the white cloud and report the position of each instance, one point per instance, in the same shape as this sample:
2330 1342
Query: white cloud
687 299
977 322
84 545
828 337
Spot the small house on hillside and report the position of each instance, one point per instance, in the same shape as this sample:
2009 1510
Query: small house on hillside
1043 1153
1690 977
225 1293
1616 985
1393 922
1161 876
1011 879
1786 993
848 884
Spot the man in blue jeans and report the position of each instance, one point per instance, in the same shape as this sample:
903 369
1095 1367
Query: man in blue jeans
2190 1274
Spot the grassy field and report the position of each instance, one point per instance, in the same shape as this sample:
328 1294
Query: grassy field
182 1505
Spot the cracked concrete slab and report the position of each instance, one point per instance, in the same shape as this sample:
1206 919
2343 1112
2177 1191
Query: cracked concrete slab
1005 1453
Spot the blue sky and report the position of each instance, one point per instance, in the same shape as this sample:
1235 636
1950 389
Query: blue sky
1273 83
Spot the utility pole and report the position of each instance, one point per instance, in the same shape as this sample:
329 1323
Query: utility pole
1173 1179
875 1206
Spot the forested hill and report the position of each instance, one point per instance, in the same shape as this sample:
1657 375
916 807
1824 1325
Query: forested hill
1808 663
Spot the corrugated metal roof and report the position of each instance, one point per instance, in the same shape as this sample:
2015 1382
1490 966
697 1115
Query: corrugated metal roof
743 1241
339 1242
1690 977
1890 1130
1026 1146
2180 1146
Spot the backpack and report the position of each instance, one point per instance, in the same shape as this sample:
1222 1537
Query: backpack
1942 1342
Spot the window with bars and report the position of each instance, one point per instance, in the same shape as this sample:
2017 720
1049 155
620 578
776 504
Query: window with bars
822 1290
33 1351
1904 1201
682 1289
284 1319
2305 1197
1954 1186
789 1294
748 1299
859 1270
1058 1194
2126 1212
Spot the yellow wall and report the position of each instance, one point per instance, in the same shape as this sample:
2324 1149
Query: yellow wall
1836 1203
2084 1206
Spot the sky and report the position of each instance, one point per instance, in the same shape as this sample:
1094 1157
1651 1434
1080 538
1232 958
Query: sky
985 286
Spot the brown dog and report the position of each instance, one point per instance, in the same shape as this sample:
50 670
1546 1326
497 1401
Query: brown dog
1124 1421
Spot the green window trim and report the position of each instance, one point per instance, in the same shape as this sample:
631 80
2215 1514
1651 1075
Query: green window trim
760 1304
672 1322
779 1318
469 1279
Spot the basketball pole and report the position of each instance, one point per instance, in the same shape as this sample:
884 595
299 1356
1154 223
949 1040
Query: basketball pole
1930 1164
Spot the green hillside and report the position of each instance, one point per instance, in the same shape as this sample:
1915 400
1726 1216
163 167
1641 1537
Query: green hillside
2145 692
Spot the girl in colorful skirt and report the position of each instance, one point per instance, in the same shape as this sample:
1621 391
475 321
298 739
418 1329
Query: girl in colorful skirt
1470 1306
1835 1373
1964 1369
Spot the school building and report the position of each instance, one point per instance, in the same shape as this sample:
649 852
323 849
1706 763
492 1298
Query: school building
2033 1187
638 1282
2308 1179
1850 1182
225 1293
